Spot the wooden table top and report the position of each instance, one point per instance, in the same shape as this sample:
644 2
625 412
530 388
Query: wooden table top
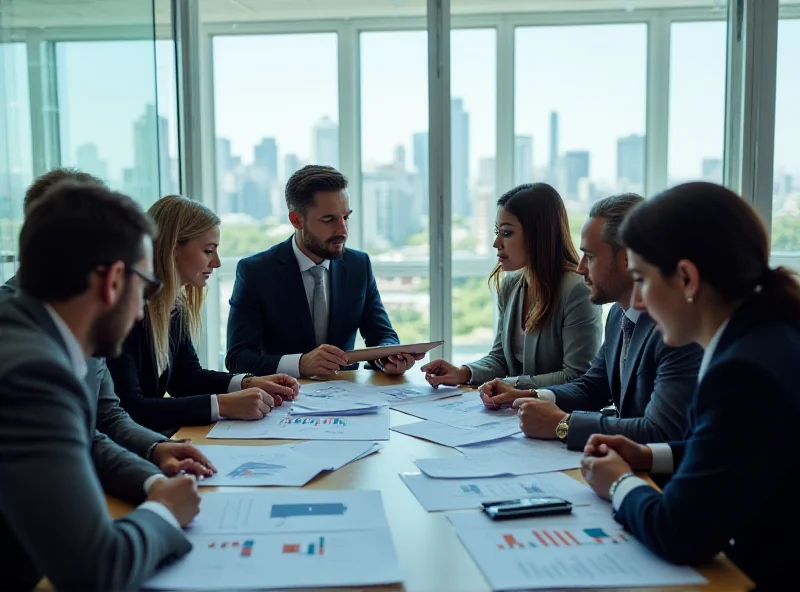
430 554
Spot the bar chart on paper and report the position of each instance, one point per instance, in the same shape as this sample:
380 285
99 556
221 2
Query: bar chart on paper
579 555
316 547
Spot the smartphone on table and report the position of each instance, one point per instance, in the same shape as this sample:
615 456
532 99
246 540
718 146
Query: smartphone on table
526 507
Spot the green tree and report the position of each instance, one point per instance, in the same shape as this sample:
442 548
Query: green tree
786 233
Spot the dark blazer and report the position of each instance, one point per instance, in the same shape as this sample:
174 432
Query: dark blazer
112 420
46 431
270 318
652 396
141 389
735 475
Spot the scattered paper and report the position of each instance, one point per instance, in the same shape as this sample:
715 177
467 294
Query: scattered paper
260 465
461 494
335 455
281 539
466 411
582 552
397 396
454 436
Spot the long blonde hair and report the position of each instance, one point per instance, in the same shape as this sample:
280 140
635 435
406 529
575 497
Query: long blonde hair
179 220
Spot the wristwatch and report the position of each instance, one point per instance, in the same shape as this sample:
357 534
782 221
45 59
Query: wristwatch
562 429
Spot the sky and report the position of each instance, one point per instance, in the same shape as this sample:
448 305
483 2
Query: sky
281 85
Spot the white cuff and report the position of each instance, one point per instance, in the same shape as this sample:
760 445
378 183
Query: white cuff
546 395
236 383
161 510
663 463
215 408
624 488
290 364
150 480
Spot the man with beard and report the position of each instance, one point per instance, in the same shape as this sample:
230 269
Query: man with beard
115 428
296 307
85 272
649 383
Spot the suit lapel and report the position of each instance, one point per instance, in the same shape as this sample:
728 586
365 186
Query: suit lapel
614 349
644 326
293 294
338 278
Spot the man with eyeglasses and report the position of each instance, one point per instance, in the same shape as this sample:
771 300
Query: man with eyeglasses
115 428
85 268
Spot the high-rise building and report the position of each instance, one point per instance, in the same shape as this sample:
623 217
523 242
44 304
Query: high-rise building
291 164
420 152
487 168
387 193
553 176
326 142
712 170
574 167
265 155
523 160
87 159
459 156
151 170
630 161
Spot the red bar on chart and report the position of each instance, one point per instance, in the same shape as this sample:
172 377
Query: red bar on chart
512 542
291 548
571 537
538 536
561 538
550 538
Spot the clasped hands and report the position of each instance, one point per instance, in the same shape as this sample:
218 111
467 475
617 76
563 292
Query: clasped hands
326 360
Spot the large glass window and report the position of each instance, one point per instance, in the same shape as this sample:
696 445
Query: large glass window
580 94
394 174
276 107
16 167
786 194
473 112
696 101
110 125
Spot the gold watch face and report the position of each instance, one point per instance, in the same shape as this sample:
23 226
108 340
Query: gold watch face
562 429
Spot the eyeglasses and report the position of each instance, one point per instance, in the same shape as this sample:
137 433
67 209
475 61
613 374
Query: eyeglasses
152 285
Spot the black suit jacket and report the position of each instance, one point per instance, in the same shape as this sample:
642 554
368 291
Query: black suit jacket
735 474
47 418
141 389
270 318
652 396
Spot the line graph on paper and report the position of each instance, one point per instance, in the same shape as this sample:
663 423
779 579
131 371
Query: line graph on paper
236 514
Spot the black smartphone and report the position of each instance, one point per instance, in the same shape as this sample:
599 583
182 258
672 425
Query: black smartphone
524 507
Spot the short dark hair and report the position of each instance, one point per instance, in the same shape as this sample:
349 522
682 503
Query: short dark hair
44 182
303 184
723 236
613 210
75 228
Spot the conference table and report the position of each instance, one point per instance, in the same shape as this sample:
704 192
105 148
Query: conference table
430 554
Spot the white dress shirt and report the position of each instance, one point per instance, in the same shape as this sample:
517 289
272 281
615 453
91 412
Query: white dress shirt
663 462
78 360
290 363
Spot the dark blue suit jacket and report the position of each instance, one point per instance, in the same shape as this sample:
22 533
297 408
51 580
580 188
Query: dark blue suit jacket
734 477
270 318
652 396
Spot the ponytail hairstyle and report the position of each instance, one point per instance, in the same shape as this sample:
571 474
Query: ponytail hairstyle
723 236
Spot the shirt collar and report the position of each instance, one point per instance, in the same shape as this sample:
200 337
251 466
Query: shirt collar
633 314
709 352
304 261
74 349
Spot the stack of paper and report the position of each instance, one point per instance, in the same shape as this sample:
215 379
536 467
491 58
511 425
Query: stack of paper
288 465
586 550
281 424
282 539
461 494
459 421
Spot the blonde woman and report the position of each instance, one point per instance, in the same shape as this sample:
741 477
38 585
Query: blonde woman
159 355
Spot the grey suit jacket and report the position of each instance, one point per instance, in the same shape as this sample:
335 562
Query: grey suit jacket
652 396
53 516
558 352
122 474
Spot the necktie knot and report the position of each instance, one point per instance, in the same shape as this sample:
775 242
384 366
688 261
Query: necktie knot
317 272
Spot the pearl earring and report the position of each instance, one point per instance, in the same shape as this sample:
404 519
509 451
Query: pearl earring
689 299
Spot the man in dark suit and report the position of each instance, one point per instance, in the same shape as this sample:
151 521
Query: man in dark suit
296 307
115 428
649 384
69 308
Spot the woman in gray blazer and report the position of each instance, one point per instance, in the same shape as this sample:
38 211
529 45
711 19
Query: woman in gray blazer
548 330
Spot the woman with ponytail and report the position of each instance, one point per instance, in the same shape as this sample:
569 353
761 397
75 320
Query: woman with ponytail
159 354
699 256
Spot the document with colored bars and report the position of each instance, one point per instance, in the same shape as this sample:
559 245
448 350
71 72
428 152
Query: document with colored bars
592 552
285 539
